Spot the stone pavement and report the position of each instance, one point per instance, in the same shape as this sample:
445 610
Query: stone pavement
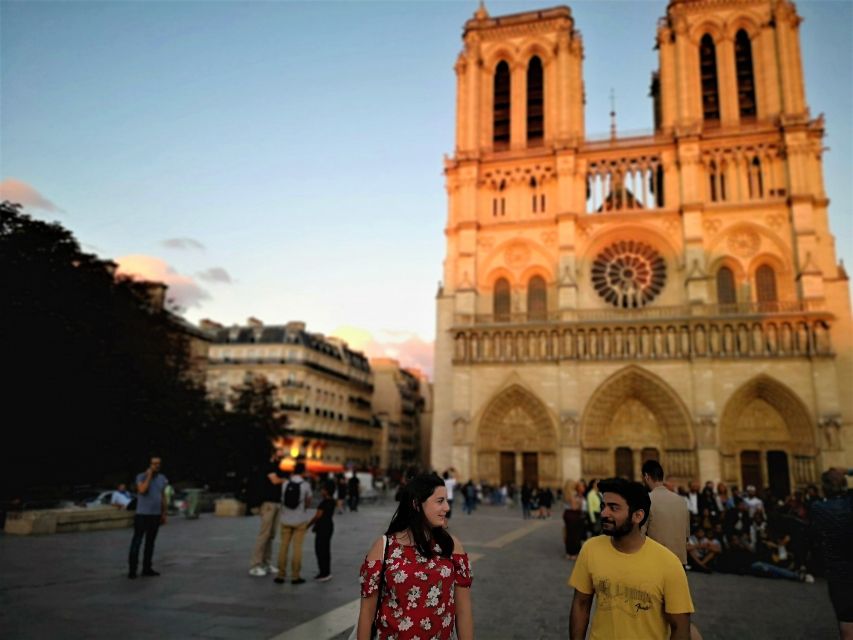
73 586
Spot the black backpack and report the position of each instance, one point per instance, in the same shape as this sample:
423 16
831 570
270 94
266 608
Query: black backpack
292 494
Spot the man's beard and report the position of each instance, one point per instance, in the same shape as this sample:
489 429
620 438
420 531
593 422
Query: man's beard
618 532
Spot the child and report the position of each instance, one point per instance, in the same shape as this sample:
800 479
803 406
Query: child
323 529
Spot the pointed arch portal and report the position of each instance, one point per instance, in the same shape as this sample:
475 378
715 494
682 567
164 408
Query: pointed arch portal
517 440
767 438
633 416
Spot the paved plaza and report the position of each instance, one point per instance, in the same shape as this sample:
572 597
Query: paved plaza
74 585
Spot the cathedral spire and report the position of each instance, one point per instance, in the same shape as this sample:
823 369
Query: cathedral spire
612 115
481 13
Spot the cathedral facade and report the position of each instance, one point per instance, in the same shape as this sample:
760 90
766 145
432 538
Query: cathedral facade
672 296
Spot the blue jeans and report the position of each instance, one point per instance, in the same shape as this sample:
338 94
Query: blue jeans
147 527
767 570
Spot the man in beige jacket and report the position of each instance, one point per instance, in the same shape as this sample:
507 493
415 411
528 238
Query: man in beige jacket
669 520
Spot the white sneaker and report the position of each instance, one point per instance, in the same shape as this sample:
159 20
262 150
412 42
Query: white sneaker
271 568
258 572
323 578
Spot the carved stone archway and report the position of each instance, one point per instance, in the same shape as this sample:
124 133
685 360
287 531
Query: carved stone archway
765 416
636 410
516 421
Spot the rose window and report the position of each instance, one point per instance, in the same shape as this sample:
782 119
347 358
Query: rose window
629 274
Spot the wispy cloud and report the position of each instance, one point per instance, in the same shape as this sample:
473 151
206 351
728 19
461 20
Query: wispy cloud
18 191
215 274
183 289
408 348
183 243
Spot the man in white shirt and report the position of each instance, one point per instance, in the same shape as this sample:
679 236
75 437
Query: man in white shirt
450 485
295 502
753 501
693 499
121 497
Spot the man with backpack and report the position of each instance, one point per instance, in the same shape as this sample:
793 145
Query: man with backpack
295 502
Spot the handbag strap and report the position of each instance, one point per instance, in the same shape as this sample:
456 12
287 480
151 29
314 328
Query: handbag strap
373 628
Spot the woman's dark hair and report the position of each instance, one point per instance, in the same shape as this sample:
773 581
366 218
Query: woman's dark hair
410 516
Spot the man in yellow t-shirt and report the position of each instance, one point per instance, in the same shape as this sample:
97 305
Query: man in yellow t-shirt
640 585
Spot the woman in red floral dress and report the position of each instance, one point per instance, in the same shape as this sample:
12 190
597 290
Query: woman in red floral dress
426 591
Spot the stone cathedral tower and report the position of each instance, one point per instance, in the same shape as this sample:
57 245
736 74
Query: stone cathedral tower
674 295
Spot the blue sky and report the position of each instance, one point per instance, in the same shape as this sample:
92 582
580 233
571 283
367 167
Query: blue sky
297 147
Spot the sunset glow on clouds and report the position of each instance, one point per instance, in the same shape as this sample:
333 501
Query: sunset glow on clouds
20 192
409 349
183 290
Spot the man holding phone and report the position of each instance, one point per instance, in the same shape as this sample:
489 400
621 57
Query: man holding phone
150 514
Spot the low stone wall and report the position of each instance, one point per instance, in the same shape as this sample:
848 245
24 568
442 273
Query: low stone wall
48 521
230 507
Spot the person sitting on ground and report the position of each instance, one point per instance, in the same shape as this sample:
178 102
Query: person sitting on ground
702 551
121 497
781 563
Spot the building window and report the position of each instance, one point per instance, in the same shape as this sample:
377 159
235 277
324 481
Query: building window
726 293
756 182
501 120
501 300
745 78
629 274
535 102
708 75
716 182
537 298
765 284
535 201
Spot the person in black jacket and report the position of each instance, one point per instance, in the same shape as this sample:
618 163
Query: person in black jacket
323 530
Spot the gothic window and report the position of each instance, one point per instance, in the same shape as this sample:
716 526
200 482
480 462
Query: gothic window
745 78
658 189
726 293
535 102
537 298
708 76
502 199
501 300
756 183
716 181
533 197
500 134
629 274
712 180
765 284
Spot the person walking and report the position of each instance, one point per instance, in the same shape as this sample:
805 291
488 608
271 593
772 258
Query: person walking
261 562
526 498
669 518
323 529
640 586
295 501
450 485
593 508
572 519
353 490
832 531
150 514
470 492
416 579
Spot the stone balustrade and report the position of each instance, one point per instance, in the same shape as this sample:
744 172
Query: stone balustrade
750 330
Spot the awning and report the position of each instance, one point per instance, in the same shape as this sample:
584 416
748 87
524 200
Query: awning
312 466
